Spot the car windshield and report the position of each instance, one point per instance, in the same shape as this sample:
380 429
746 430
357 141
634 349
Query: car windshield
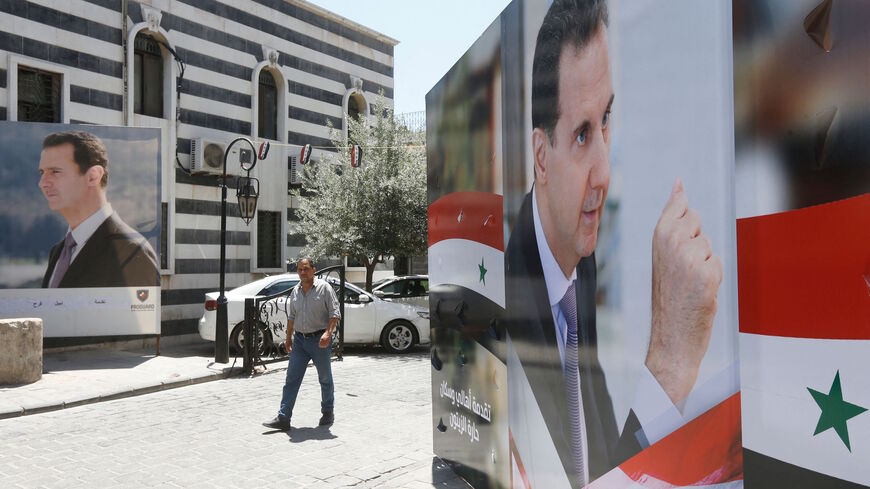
376 283
278 287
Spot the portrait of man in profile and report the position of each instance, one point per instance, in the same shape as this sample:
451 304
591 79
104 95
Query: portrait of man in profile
550 271
99 248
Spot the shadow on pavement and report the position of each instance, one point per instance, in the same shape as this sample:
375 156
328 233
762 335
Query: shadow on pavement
299 435
92 360
380 353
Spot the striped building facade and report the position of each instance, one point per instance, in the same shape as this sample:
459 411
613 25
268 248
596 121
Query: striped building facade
264 69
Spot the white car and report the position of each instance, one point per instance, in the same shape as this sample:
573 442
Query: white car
367 319
407 289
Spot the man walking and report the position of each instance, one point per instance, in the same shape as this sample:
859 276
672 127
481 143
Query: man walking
312 315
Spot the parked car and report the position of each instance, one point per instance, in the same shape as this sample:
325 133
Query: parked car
408 289
368 319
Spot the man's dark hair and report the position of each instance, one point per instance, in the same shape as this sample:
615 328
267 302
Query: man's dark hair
567 21
88 150
305 258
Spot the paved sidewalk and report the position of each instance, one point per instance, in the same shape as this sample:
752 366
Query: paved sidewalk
209 434
81 377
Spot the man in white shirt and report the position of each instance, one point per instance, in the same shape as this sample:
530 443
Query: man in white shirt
550 263
99 249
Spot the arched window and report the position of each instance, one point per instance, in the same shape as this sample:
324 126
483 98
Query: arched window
353 107
147 76
356 107
267 106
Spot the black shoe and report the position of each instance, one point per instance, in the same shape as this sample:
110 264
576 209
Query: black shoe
327 419
278 423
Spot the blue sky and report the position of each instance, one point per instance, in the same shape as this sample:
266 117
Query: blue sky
432 37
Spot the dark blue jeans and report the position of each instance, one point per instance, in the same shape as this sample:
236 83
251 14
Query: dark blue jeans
305 349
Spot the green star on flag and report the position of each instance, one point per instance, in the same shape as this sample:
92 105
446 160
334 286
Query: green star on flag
835 411
482 272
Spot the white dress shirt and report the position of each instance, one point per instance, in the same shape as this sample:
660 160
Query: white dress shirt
658 416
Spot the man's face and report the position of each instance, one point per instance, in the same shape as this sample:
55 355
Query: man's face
61 181
574 169
305 271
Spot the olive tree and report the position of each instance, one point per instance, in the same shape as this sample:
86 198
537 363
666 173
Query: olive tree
373 211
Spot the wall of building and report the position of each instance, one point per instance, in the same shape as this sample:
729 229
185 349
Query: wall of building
319 59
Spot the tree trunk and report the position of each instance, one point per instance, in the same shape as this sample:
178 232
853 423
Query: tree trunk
370 272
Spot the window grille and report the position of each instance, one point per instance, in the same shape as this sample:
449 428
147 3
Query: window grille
38 95
267 106
147 76
268 239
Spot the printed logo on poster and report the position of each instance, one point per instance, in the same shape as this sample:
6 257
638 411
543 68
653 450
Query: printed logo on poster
142 295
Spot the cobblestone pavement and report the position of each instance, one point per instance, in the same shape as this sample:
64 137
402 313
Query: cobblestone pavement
209 435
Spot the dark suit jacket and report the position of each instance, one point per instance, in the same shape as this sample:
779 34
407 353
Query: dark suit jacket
533 334
116 255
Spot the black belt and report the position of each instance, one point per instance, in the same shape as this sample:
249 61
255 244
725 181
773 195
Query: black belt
316 334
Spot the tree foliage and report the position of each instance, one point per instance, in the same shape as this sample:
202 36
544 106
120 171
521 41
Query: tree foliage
374 211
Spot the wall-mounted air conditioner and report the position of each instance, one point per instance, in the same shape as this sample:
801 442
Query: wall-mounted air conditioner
294 169
207 156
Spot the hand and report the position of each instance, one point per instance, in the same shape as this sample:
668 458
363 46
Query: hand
324 339
685 282
288 342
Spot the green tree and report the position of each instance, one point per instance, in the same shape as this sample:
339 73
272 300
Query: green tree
374 211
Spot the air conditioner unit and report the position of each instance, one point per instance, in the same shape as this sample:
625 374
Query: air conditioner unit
295 170
207 156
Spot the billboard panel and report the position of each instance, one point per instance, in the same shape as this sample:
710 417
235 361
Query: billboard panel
617 224
80 241
802 115
466 264
625 223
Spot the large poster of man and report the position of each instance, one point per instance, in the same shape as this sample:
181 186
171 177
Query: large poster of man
619 261
84 213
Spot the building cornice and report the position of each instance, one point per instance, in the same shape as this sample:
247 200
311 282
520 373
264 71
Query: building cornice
345 21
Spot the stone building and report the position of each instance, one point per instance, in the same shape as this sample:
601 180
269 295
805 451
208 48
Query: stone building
204 72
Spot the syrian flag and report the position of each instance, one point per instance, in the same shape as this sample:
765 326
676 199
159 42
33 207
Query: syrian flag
466 301
305 154
355 156
466 263
705 452
804 302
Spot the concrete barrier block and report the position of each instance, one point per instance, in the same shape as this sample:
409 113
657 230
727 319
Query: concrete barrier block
20 351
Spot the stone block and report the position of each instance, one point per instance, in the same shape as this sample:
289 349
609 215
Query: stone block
20 351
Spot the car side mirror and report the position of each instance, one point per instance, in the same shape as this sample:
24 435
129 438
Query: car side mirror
364 299
379 294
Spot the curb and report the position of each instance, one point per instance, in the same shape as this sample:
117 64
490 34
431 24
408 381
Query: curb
121 394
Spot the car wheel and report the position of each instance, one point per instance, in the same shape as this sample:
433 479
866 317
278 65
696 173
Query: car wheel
399 337
264 339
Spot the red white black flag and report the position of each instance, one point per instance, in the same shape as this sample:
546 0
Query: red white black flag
355 155
305 154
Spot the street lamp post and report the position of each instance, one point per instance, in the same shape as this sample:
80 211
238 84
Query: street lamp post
247 191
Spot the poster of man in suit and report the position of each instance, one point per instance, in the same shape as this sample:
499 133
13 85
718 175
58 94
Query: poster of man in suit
100 249
80 238
616 247
99 184
600 316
